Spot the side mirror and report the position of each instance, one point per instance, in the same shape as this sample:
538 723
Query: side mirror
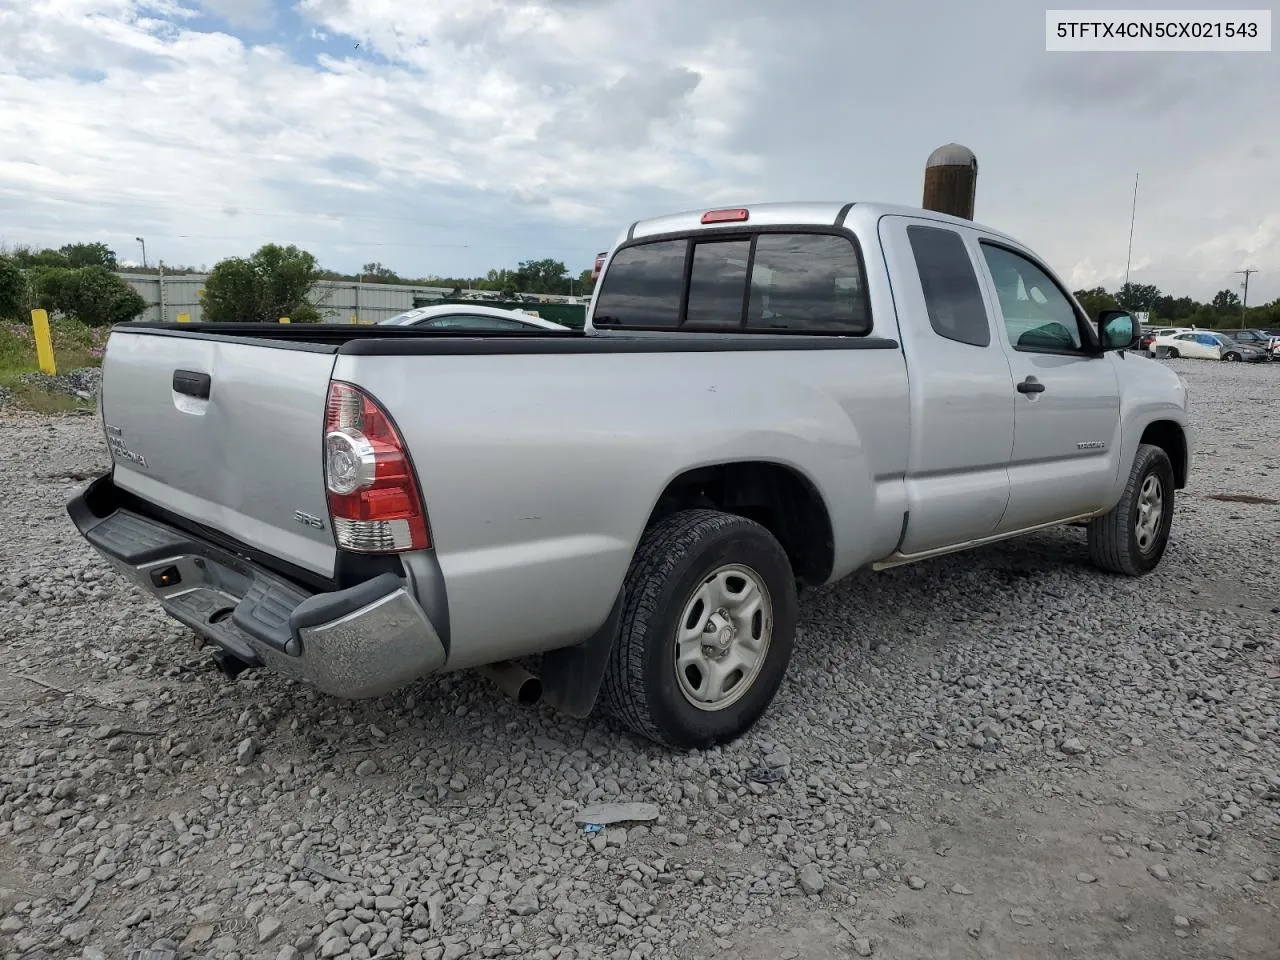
1116 329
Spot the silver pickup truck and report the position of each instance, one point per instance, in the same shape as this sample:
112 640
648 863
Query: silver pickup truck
620 519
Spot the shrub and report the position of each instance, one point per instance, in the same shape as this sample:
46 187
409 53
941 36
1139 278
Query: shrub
13 289
275 282
92 295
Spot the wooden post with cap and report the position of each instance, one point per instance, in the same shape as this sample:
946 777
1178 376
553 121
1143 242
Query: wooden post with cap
951 180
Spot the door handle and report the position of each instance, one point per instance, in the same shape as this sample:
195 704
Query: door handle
1031 385
192 384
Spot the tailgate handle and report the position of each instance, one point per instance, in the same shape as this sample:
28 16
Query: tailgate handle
192 383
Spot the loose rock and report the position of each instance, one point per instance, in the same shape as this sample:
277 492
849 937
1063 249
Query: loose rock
811 879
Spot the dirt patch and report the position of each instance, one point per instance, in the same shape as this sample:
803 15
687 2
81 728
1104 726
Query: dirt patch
1244 498
1101 865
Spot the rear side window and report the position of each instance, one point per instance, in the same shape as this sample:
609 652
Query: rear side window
950 285
776 282
643 286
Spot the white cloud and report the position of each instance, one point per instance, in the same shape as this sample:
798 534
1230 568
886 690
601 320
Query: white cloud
463 134
242 13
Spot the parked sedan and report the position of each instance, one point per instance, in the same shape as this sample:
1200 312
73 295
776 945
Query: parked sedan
1262 339
1150 334
1203 345
469 318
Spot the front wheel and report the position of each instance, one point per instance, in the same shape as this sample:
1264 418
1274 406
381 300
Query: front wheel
707 630
1232 357
1132 537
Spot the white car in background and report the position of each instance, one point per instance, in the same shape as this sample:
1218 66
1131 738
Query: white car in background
1149 334
470 318
1205 345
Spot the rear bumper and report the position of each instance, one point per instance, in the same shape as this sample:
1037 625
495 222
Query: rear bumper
360 642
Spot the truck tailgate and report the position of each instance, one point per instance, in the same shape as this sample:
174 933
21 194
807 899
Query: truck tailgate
226 434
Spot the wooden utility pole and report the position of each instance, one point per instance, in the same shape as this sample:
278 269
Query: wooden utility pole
951 181
1244 303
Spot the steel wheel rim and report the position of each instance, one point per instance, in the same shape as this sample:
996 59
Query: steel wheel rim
1146 526
722 637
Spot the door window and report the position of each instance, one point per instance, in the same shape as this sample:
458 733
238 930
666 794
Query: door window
1038 316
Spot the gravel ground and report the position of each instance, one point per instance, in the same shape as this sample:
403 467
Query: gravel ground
1002 755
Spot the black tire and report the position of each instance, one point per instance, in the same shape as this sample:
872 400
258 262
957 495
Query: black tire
1114 544
1233 357
676 556
1173 353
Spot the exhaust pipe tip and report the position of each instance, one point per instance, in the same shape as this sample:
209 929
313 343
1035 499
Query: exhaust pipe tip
529 691
515 681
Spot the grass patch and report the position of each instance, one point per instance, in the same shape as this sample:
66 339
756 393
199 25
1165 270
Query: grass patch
31 397
75 347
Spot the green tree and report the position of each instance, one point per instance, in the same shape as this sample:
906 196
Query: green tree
274 282
541 276
1174 310
89 255
377 273
93 295
1094 300
13 289
1137 296
1205 318
1226 300
28 257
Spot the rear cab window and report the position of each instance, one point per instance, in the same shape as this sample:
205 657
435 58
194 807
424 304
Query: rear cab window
776 281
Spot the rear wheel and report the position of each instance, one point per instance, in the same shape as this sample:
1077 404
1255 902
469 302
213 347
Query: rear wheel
1131 539
1233 357
707 631
1173 353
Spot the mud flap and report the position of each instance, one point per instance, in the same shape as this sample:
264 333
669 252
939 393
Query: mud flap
571 676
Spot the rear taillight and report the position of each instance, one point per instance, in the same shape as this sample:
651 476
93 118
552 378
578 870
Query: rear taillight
374 502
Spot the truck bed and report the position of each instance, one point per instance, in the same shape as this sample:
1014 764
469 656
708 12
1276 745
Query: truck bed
538 474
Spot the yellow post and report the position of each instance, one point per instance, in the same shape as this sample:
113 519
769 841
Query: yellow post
44 342
184 318
354 318
284 319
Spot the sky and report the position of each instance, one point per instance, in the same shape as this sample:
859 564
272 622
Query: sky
447 137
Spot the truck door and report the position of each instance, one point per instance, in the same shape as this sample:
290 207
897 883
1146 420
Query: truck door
961 390
1067 422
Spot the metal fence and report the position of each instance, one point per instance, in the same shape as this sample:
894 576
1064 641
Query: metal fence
339 301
